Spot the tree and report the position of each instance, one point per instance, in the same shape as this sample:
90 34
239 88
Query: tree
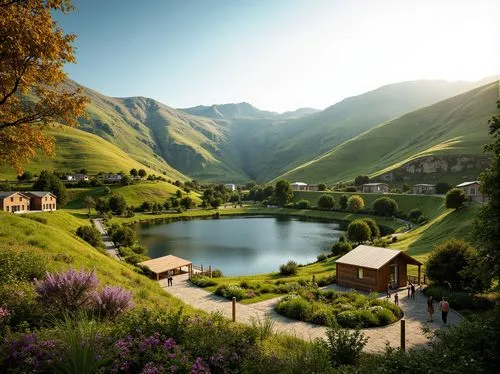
101 206
166 205
442 188
339 248
26 176
215 203
146 206
50 182
487 224
89 202
321 187
117 204
361 179
267 192
450 264
406 187
355 203
91 235
283 192
186 202
343 201
34 93
374 229
326 202
107 190
455 198
123 237
178 194
133 172
142 173
126 180
358 231
385 206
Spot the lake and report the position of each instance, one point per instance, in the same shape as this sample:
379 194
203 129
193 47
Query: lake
240 245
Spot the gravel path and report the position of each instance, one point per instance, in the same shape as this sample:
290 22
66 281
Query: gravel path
110 246
415 316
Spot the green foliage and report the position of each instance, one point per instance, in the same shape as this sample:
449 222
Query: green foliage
117 204
126 180
50 182
21 265
358 231
283 192
455 198
442 188
296 307
202 281
355 203
374 229
343 201
321 187
414 214
450 264
123 236
344 346
230 291
326 202
91 235
302 204
290 268
361 179
187 203
339 248
322 257
385 206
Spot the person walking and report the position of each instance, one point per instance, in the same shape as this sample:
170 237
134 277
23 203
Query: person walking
412 290
408 288
430 307
388 290
445 308
169 279
396 298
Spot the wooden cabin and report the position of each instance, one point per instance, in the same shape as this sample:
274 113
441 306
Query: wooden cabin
370 268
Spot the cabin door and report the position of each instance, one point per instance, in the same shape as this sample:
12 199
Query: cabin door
393 275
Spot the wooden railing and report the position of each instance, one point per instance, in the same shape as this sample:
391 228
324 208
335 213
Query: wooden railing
413 279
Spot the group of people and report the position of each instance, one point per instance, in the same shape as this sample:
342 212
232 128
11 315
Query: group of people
444 306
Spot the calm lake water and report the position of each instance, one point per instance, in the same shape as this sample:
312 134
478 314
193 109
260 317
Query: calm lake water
240 245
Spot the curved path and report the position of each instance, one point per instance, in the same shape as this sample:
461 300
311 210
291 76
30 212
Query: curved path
415 316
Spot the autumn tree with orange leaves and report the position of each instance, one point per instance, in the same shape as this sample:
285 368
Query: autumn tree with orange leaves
33 93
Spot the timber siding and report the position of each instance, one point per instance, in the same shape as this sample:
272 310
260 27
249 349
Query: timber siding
14 202
44 201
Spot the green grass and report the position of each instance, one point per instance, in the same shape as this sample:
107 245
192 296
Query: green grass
457 126
58 237
431 206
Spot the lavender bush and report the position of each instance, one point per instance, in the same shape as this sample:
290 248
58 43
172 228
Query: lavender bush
112 301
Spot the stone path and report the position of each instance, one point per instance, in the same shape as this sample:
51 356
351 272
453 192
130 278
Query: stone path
415 316
110 246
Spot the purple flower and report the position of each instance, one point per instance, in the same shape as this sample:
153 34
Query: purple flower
199 367
169 344
150 368
113 300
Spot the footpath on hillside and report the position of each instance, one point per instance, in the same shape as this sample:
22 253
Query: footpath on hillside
110 246
415 315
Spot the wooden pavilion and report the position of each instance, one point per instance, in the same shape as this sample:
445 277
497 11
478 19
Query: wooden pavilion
162 265
374 268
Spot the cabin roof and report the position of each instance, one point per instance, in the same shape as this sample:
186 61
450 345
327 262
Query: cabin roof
373 257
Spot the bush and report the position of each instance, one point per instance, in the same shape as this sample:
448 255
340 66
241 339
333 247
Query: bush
230 291
302 204
343 201
296 307
340 248
385 206
414 215
326 202
202 281
374 229
442 188
344 346
355 203
325 281
216 273
91 235
358 231
290 268
322 257
21 265
117 204
455 198
123 236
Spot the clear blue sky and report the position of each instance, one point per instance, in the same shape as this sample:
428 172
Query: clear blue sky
277 54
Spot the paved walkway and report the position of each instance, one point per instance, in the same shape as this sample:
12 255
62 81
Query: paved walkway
110 246
415 316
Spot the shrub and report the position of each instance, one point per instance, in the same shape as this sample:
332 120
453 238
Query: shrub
112 301
290 268
326 202
355 203
442 188
216 273
414 215
385 206
422 220
455 198
358 231
344 346
123 236
202 281
91 235
350 189
325 281
374 229
296 307
20 301
322 315
340 248
230 291
322 257
117 204
349 319
303 204
21 265
343 201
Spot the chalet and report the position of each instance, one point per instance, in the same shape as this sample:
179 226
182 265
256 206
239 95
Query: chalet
375 188
78 177
113 178
298 186
472 191
42 200
15 202
372 268
231 187
424 189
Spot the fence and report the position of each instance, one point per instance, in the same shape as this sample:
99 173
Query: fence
199 269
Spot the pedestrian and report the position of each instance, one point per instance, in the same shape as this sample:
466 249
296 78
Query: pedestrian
169 278
412 291
430 307
396 298
408 288
388 290
445 308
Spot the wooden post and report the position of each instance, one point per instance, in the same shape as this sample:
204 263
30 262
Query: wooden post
210 270
234 309
419 275
190 270
403 335
157 276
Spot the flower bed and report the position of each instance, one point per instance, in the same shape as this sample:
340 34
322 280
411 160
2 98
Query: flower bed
346 309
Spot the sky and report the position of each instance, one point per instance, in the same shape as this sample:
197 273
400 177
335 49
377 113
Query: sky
278 55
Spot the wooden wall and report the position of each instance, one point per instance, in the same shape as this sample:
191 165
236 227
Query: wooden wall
347 276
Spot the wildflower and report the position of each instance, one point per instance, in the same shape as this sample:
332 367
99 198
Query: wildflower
199 367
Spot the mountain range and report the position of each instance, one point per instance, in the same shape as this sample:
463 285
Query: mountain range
373 133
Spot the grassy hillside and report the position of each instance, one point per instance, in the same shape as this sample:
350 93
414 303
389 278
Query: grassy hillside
457 126
57 238
431 206
76 149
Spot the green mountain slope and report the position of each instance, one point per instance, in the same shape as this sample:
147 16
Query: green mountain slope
453 127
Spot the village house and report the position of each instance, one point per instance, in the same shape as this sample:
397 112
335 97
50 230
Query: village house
77 177
42 200
472 191
113 178
300 186
231 187
370 268
375 188
14 202
424 189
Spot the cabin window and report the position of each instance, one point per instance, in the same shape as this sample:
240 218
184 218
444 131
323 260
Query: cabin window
360 273
11 199
472 191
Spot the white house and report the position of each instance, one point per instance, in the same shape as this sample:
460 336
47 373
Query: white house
231 187
113 178
77 177
472 191
298 186
375 187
